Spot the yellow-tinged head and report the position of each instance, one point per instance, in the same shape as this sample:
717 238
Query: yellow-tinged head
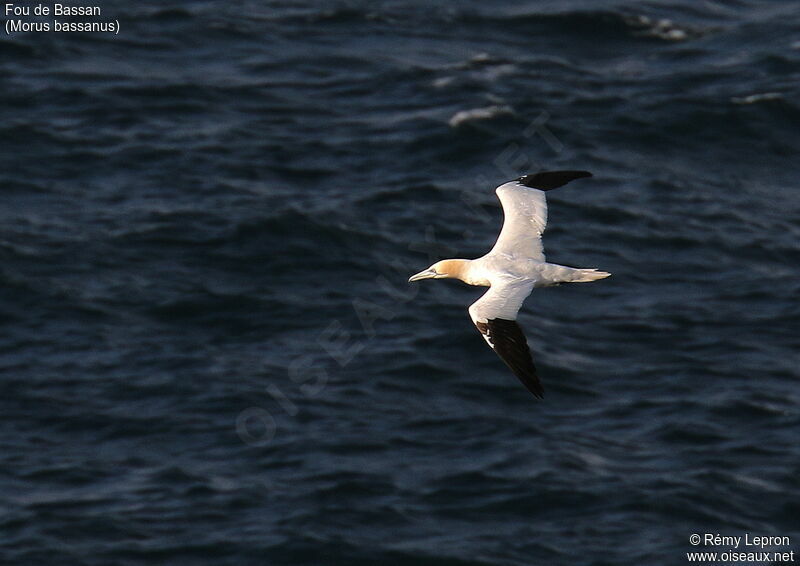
445 269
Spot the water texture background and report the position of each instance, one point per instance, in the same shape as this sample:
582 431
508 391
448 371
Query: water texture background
210 354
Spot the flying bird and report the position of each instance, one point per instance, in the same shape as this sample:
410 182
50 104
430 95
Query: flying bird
512 269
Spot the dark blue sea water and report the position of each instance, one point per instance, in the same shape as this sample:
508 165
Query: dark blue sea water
210 353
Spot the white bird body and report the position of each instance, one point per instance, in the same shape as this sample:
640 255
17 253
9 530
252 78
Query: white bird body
512 269
498 268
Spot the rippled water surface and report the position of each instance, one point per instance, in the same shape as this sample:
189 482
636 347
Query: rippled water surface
210 352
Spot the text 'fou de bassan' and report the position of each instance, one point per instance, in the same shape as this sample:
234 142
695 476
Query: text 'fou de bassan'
20 25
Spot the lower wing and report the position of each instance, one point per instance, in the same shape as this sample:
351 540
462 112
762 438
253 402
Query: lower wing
494 314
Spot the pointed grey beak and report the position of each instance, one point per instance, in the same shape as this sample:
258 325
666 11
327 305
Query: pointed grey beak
427 274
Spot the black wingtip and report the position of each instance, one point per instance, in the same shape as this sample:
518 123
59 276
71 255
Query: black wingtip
547 180
508 341
536 389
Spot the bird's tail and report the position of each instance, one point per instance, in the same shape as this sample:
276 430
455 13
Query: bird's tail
586 275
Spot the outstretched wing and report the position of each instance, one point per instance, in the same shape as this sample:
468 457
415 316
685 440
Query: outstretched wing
525 210
494 314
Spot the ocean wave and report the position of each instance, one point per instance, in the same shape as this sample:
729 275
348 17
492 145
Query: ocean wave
479 114
755 98
662 28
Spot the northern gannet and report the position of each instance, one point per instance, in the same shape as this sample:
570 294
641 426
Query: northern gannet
512 269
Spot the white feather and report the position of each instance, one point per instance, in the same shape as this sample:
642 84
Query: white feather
525 211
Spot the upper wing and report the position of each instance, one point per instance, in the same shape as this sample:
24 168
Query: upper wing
525 210
494 314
